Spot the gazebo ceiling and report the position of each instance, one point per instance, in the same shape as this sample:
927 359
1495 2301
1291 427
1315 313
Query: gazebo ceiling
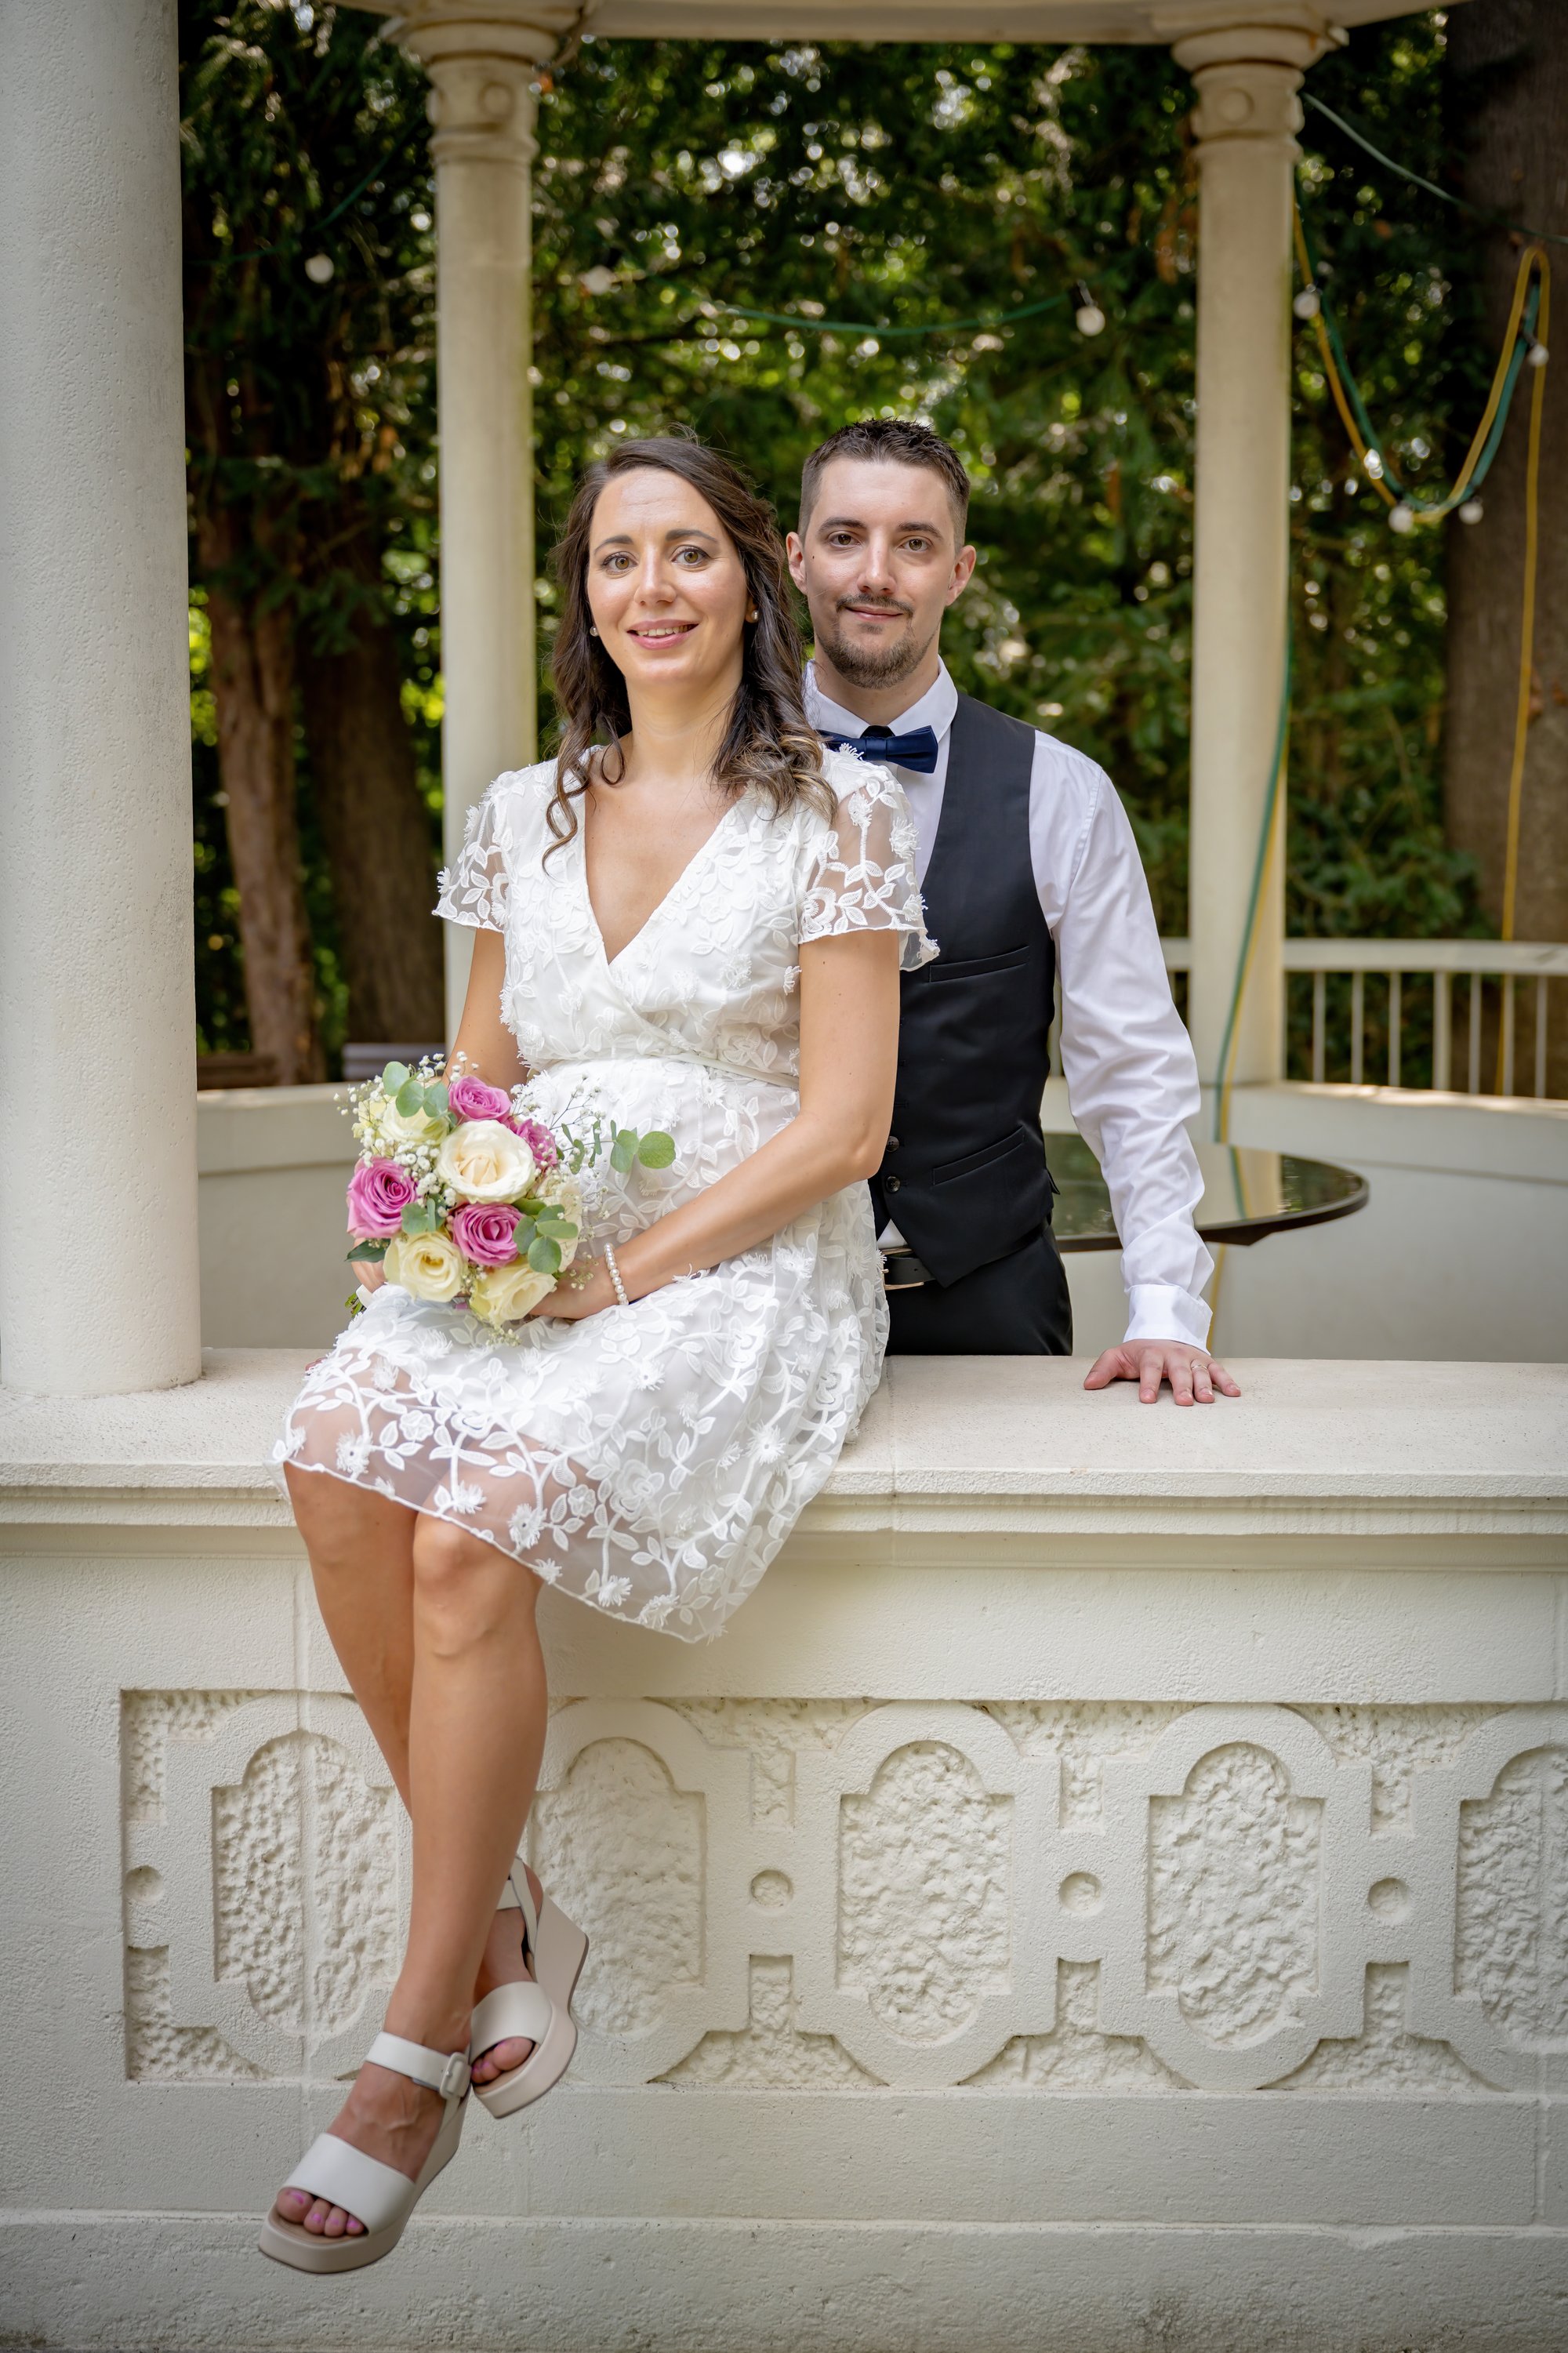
894 20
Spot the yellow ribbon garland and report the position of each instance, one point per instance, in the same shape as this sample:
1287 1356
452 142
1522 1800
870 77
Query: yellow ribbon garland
1531 260
1527 631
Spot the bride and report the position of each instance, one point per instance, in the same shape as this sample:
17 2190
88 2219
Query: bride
693 920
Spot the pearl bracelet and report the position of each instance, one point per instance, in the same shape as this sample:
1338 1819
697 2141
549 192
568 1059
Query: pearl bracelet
616 1277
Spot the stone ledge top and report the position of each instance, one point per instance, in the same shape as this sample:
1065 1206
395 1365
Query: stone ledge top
991 1442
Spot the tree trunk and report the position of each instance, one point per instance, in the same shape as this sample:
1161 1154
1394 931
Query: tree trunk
1508 68
253 691
377 838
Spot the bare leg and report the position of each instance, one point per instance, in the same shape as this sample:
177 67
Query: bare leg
362 1558
467 1764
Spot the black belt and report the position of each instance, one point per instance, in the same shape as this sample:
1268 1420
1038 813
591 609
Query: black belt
902 1270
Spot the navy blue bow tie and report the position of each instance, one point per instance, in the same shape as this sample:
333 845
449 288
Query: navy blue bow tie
916 750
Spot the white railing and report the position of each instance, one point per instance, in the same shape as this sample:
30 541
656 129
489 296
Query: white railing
1497 966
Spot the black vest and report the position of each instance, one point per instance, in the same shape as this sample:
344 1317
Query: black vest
964 1177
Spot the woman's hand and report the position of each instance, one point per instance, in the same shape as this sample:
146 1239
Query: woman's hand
368 1273
572 1301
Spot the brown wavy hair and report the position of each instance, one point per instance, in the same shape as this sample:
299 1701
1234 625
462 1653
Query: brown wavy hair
770 741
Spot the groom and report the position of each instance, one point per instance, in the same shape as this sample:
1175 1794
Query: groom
1030 874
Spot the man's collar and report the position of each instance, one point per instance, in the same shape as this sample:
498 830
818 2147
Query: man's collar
934 710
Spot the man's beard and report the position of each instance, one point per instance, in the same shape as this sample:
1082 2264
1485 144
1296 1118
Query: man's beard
867 666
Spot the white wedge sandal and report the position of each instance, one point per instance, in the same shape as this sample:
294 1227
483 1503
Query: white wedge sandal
538 2012
377 2195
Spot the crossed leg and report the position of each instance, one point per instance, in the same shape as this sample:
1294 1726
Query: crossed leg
435 1630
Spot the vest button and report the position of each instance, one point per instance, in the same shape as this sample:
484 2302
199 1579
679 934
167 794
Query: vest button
893 1144
892 1184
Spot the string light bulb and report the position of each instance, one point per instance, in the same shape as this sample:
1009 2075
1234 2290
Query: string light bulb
1402 519
319 268
1308 303
1089 315
1471 511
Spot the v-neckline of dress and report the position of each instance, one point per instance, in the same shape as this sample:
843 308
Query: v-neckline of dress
698 855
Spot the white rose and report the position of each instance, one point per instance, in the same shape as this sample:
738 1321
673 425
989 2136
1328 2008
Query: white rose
505 1294
483 1160
396 1128
427 1265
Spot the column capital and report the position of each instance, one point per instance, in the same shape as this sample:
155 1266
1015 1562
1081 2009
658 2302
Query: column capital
482 58
1247 66
482 110
528 31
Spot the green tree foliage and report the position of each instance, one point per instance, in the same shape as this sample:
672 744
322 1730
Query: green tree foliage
902 187
304 138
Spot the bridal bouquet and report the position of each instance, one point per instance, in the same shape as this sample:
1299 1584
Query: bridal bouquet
465 1202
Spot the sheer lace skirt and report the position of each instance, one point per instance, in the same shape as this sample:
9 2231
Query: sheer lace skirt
650 1460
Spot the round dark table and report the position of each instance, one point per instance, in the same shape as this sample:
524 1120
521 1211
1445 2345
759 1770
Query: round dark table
1246 1194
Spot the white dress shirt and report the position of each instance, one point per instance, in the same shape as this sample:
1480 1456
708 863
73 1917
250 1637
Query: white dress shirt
1132 1076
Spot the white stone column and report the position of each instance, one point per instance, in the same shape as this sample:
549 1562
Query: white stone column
481 66
1246 76
98 1288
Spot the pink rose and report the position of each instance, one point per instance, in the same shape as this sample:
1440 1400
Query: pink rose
483 1231
469 1098
379 1192
539 1139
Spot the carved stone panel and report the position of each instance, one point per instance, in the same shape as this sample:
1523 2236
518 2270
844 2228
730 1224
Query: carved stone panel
1118 1897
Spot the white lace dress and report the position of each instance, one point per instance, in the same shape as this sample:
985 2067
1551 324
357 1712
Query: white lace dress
650 1460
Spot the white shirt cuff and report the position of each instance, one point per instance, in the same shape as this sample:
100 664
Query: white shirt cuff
1160 1310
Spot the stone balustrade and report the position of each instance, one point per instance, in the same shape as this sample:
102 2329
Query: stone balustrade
1108 1888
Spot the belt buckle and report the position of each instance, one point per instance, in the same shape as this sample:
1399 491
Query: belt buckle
887 1282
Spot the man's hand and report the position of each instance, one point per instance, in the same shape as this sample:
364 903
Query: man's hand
1193 1373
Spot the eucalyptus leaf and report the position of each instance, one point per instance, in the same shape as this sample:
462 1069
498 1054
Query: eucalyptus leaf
436 1102
624 1150
544 1256
394 1078
410 1098
372 1252
657 1149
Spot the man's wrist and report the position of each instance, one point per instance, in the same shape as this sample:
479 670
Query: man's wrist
1162 1312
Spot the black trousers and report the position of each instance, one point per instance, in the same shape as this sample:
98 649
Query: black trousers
1016 1306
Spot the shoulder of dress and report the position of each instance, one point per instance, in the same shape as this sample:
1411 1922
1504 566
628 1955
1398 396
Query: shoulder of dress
520 782
517 799
847 773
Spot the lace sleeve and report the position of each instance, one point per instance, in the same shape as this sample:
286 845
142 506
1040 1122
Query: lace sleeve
863 879
474 891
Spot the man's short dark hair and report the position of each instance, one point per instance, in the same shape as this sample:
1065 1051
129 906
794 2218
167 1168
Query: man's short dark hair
891 440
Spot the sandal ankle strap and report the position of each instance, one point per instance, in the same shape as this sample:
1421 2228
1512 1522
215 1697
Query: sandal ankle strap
518 1896
446 2072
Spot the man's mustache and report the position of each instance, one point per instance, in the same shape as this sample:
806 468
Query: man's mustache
875 604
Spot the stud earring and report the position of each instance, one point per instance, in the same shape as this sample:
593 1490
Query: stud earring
593 632
752 614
